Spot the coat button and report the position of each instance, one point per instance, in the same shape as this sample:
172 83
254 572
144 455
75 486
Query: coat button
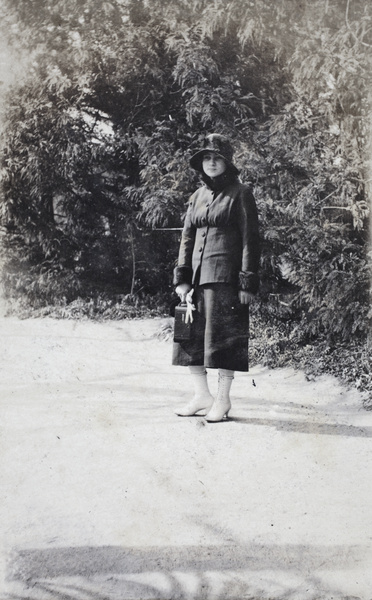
204 234
200 249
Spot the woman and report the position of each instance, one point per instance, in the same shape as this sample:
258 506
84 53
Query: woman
218 271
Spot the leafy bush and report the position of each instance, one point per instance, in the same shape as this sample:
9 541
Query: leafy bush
275 344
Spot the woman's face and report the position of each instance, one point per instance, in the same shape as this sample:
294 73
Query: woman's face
213 165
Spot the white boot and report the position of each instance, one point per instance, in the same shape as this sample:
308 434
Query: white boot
202 399
222 403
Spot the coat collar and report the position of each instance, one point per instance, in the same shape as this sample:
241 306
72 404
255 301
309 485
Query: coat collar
217 184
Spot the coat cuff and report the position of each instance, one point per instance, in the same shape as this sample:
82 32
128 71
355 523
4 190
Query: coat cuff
182 275
248 281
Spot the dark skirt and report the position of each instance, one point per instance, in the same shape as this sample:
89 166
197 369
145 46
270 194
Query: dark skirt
220 330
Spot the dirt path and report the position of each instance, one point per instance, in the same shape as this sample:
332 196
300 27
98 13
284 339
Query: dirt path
107 495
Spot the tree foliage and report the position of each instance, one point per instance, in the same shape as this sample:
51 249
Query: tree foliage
118 94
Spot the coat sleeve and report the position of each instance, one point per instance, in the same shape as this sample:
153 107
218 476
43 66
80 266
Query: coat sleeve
183 271
248 223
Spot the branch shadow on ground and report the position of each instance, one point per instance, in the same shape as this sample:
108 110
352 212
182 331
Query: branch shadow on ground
113 572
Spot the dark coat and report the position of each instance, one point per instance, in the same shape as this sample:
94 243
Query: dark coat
220 239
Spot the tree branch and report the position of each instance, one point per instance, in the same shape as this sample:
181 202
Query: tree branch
350 29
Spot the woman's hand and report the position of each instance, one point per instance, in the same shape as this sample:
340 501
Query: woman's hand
182 290
245 297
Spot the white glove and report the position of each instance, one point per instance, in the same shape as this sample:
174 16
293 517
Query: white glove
182 290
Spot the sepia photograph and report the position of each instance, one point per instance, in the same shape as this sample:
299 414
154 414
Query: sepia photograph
185 300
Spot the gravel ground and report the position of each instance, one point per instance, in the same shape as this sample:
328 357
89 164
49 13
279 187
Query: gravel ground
107 495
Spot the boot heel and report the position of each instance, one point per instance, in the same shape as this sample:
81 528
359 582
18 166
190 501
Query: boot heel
218 412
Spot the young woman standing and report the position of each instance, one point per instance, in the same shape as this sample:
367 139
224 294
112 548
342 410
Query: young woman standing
217 270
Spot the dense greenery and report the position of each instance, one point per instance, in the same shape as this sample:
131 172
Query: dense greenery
117 96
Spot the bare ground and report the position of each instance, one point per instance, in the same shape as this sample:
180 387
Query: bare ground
107 495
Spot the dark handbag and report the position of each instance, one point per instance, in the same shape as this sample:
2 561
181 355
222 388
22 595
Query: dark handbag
182 325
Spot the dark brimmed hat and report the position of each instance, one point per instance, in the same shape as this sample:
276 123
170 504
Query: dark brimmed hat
220 145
